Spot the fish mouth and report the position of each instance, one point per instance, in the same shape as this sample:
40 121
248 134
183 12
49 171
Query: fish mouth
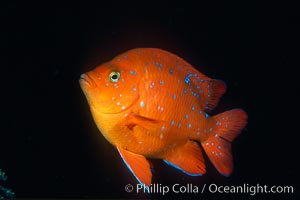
85 79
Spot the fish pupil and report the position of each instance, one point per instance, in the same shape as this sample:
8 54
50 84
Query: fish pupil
114 76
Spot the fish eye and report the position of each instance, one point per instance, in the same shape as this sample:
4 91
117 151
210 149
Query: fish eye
114 76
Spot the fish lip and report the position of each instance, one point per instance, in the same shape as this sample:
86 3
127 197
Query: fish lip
87 80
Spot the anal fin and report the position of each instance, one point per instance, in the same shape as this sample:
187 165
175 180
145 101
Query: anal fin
187 158
138 165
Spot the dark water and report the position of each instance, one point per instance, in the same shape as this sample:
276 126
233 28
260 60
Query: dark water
49 144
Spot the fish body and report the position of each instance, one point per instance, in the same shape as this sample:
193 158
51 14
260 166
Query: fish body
150 103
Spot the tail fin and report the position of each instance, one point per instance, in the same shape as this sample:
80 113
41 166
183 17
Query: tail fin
224 128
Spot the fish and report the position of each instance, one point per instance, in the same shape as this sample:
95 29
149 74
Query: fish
151 104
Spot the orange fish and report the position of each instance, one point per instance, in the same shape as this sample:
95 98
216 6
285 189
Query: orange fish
150 103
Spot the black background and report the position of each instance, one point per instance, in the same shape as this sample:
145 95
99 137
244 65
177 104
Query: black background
49 144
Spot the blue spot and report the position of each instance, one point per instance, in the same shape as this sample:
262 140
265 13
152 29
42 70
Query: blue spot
133 89
190 125
219 147
126 57
161 82
186 116
179 125
172 122
171 71
184 91
176 167
193 107
159 65
174 96
142 104
187 78
132 72
206 115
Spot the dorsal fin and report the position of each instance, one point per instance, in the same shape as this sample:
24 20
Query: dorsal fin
208 90
215 90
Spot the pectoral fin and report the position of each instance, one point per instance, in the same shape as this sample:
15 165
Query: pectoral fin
144 122
138 165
